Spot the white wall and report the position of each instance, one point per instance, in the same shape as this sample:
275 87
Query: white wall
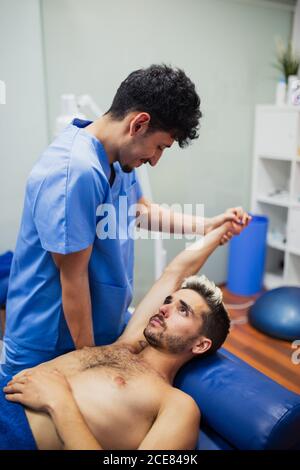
23 131
296 30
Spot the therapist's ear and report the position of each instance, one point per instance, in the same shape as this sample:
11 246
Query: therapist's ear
139 124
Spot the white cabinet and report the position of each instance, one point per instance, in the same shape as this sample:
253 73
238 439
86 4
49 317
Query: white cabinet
276 190
280 131
294 238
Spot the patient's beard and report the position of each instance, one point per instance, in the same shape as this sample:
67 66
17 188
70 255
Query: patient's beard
153 338
169 343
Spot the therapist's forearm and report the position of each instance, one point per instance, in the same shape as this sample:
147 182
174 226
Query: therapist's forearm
160 219
76 301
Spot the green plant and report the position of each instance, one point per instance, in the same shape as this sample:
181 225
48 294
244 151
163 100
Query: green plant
287 62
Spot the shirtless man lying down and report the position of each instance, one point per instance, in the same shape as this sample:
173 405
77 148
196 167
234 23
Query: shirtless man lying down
121 396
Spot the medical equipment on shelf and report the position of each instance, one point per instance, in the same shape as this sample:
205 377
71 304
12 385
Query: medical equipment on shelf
88 106
69 110
83 107
293 92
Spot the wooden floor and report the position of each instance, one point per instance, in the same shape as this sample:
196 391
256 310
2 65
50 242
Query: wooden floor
268 355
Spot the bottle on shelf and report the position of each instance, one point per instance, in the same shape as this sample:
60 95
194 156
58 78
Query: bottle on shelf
294 90
281 92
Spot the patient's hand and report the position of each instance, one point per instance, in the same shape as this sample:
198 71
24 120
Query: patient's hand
235 218
22 372
38 389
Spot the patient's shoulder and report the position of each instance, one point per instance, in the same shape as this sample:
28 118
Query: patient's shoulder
176 399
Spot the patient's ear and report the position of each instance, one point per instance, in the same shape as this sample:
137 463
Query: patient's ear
202 345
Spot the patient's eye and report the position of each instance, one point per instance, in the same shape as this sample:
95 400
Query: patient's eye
168 300
184 310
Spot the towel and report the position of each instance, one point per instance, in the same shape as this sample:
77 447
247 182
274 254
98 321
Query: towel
15 432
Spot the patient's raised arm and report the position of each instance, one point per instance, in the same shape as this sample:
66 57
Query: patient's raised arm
185 264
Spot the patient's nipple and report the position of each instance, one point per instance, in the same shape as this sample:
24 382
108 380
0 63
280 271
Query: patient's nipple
120 381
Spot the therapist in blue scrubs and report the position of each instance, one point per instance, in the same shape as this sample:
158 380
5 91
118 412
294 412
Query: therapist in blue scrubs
70 285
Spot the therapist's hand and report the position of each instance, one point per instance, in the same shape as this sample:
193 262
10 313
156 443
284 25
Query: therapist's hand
236 215
39 390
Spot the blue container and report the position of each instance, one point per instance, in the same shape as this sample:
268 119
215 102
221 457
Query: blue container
247 254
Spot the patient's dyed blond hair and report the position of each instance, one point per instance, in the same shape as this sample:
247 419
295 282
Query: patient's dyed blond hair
216 321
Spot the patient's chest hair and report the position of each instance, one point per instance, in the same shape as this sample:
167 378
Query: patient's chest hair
120 358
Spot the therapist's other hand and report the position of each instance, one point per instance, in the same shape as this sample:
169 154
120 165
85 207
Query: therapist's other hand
39 390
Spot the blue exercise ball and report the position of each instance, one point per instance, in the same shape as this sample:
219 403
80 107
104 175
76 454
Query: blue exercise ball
277 313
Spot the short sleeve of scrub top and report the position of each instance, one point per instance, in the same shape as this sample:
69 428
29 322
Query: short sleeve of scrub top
64 210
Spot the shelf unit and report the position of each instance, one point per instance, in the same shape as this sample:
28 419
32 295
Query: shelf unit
276 190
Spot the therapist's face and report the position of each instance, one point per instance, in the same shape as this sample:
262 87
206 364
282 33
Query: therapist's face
140 144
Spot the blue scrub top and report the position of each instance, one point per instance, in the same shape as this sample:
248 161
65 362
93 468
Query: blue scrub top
62 212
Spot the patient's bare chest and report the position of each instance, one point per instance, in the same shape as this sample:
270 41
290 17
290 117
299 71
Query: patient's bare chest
118 396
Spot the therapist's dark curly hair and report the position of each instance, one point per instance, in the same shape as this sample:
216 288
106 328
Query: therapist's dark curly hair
167 94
